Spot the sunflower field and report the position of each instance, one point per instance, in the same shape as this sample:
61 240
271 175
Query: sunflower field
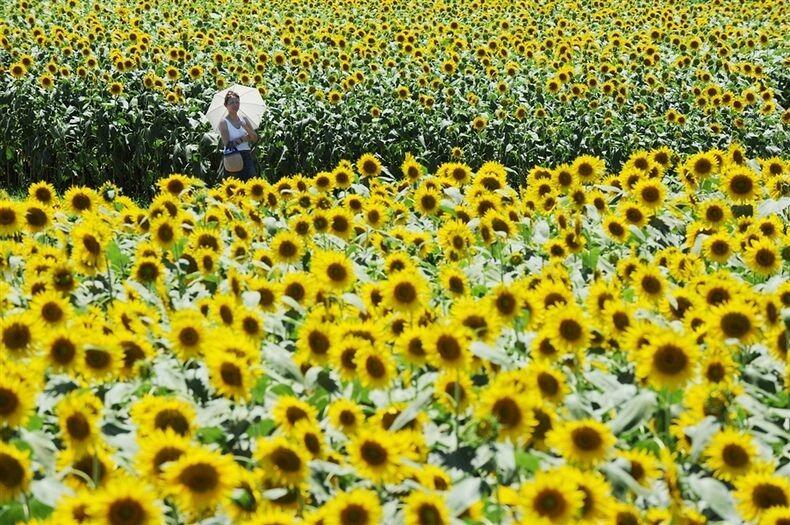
115 90
364 347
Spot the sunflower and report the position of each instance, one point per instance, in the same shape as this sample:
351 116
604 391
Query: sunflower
427 200
731 454
549 498
283 461
641 465
42 192
62 349
10 217
650 194
453 281
157 450
597 503
125 501
17 70
80 466
454 390
757 492
406 293
286 247
375 454
734 319
547 381
566 327
299 288
15 473
231 373
19 333
375 369
455 236
702 165
51 309
421 508
200 479
188 334
668 359
368 165
102 358
346 415
164 232
333 269
649 283
35 217
89 241
78 418
776 516
482 323
447 346
763 257
411 343
718 247
356 507
154 414
80 200
17 398
511 411
741 184
434 477
586 442
343 355
614 228
289 410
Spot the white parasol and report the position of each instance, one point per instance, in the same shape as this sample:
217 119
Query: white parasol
250 105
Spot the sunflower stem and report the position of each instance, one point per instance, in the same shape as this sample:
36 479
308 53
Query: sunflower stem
26 506
456 397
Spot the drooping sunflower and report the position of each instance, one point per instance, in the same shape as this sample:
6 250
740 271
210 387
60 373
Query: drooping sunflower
549 498
376 455
283 461
422 508
200 479
758 492
15 473
668 360
586 442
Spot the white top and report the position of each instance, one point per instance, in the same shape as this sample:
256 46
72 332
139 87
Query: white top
235 133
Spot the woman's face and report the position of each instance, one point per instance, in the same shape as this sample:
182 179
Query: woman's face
232 104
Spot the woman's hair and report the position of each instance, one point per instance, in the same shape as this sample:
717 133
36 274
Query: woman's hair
230 94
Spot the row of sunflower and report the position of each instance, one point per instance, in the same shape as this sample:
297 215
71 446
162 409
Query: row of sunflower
591 347
104 78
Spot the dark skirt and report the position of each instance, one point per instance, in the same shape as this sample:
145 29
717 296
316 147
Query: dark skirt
247 171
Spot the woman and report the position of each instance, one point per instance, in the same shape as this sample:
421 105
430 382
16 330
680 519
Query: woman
237 131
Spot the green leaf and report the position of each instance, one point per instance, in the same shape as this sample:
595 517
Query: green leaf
262 428
211 435
117 259
527 461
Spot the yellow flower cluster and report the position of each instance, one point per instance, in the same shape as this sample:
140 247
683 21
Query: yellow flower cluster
352 348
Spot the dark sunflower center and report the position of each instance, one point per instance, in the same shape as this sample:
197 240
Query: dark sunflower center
670 359
287 249
637 470
97 358
651 285
172 419
16 336
8 401
765 257
548 384
231 374
126 511
286 460
373 453
199 478
587 439
570 330
405 293
337 272
741 185
735 324
429 515
766 495
375 367
319 342
354 514
165 455
550 503
11 472
78 427
448 347
735 456
507 412
506 304
188 336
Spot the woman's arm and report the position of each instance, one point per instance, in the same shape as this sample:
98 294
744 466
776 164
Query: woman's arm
250 132
223 132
